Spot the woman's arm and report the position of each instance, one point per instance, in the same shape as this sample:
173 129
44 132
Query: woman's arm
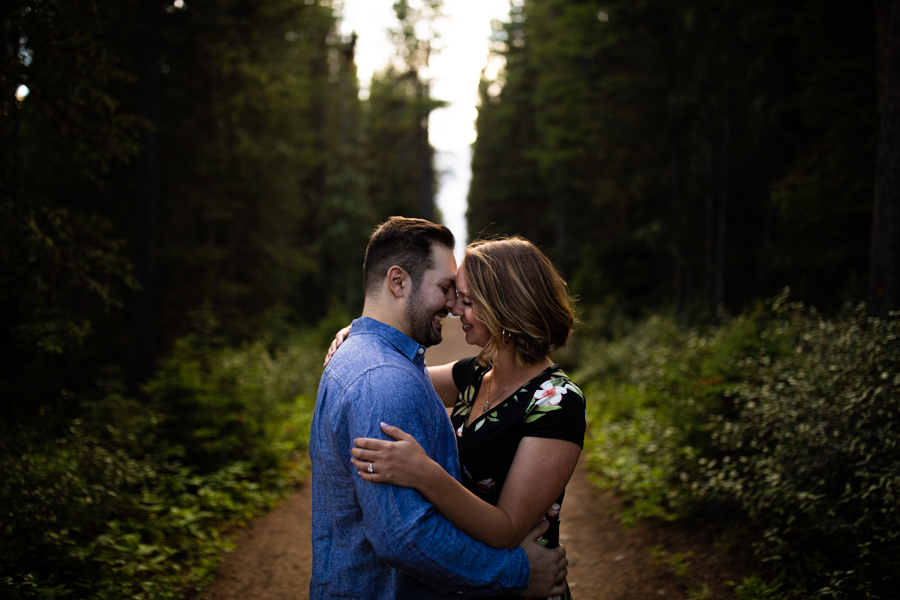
537 477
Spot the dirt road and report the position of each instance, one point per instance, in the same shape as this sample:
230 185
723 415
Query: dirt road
654 560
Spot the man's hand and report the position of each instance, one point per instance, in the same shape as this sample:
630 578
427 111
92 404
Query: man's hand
548 567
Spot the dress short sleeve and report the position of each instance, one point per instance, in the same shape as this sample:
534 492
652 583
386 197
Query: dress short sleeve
556 409
464 372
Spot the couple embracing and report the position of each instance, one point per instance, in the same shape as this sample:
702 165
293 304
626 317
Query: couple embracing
408 503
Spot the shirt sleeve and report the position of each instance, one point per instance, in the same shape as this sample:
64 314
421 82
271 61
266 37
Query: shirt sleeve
557 411
405 530
464 372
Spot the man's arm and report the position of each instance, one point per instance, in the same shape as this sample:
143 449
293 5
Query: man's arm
403 528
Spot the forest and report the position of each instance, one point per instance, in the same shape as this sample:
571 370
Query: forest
186 193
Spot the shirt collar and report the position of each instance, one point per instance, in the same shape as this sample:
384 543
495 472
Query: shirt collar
399 340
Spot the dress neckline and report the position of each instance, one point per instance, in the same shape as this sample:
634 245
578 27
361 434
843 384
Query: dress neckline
495 407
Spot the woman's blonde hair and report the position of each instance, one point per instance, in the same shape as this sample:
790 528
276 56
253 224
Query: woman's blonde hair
518 290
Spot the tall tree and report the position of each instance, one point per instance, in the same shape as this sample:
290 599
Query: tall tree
684 155
147 202
64 266
399 159
415 52
884 277
261 196
505 173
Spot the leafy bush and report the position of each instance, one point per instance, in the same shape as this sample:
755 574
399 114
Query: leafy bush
786 415
652 392
220 405
815 454
131 501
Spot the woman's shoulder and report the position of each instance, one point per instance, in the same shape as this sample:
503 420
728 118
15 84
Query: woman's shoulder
552 384
557 408
552 372
466 370
467 374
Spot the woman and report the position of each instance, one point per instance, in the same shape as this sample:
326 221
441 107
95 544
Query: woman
519 420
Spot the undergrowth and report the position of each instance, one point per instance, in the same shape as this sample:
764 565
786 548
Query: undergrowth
130 499
791 418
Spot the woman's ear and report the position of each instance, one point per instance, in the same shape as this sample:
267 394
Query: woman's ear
398 281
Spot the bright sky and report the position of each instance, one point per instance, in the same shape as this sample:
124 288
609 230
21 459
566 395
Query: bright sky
454 73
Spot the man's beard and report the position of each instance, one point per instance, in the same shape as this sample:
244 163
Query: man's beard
420 317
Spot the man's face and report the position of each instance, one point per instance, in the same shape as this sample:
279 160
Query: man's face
432 299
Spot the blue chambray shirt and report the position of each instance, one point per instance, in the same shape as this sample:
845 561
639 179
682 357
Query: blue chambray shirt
375 540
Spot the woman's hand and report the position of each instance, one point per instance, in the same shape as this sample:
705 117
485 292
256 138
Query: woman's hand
339 338
402 463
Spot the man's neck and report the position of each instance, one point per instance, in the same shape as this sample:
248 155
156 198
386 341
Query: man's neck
378 311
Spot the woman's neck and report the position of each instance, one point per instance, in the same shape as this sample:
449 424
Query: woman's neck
505 366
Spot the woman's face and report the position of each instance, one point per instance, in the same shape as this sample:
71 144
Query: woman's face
477 333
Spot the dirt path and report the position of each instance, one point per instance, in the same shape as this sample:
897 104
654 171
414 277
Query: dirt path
273 558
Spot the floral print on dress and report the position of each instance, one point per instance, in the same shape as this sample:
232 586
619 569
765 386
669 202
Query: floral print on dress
548 396
490 418
468 395
487 442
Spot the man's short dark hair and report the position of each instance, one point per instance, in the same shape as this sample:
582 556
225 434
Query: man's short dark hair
406 243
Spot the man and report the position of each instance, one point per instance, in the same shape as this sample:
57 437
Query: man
379 540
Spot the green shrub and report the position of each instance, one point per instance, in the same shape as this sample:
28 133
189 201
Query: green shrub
814 457
786 415
220 405
132 499
653 391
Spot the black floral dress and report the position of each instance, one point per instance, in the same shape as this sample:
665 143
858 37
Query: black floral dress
548 406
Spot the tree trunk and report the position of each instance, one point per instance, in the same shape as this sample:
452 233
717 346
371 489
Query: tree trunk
710 206
426 169
147 203
884 273
678 262
721 237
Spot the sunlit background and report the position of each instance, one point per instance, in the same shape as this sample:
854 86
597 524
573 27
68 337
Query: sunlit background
187 189
461 54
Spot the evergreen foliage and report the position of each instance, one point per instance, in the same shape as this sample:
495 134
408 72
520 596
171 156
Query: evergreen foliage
692 154
688 154
129 499
272 174
791 418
